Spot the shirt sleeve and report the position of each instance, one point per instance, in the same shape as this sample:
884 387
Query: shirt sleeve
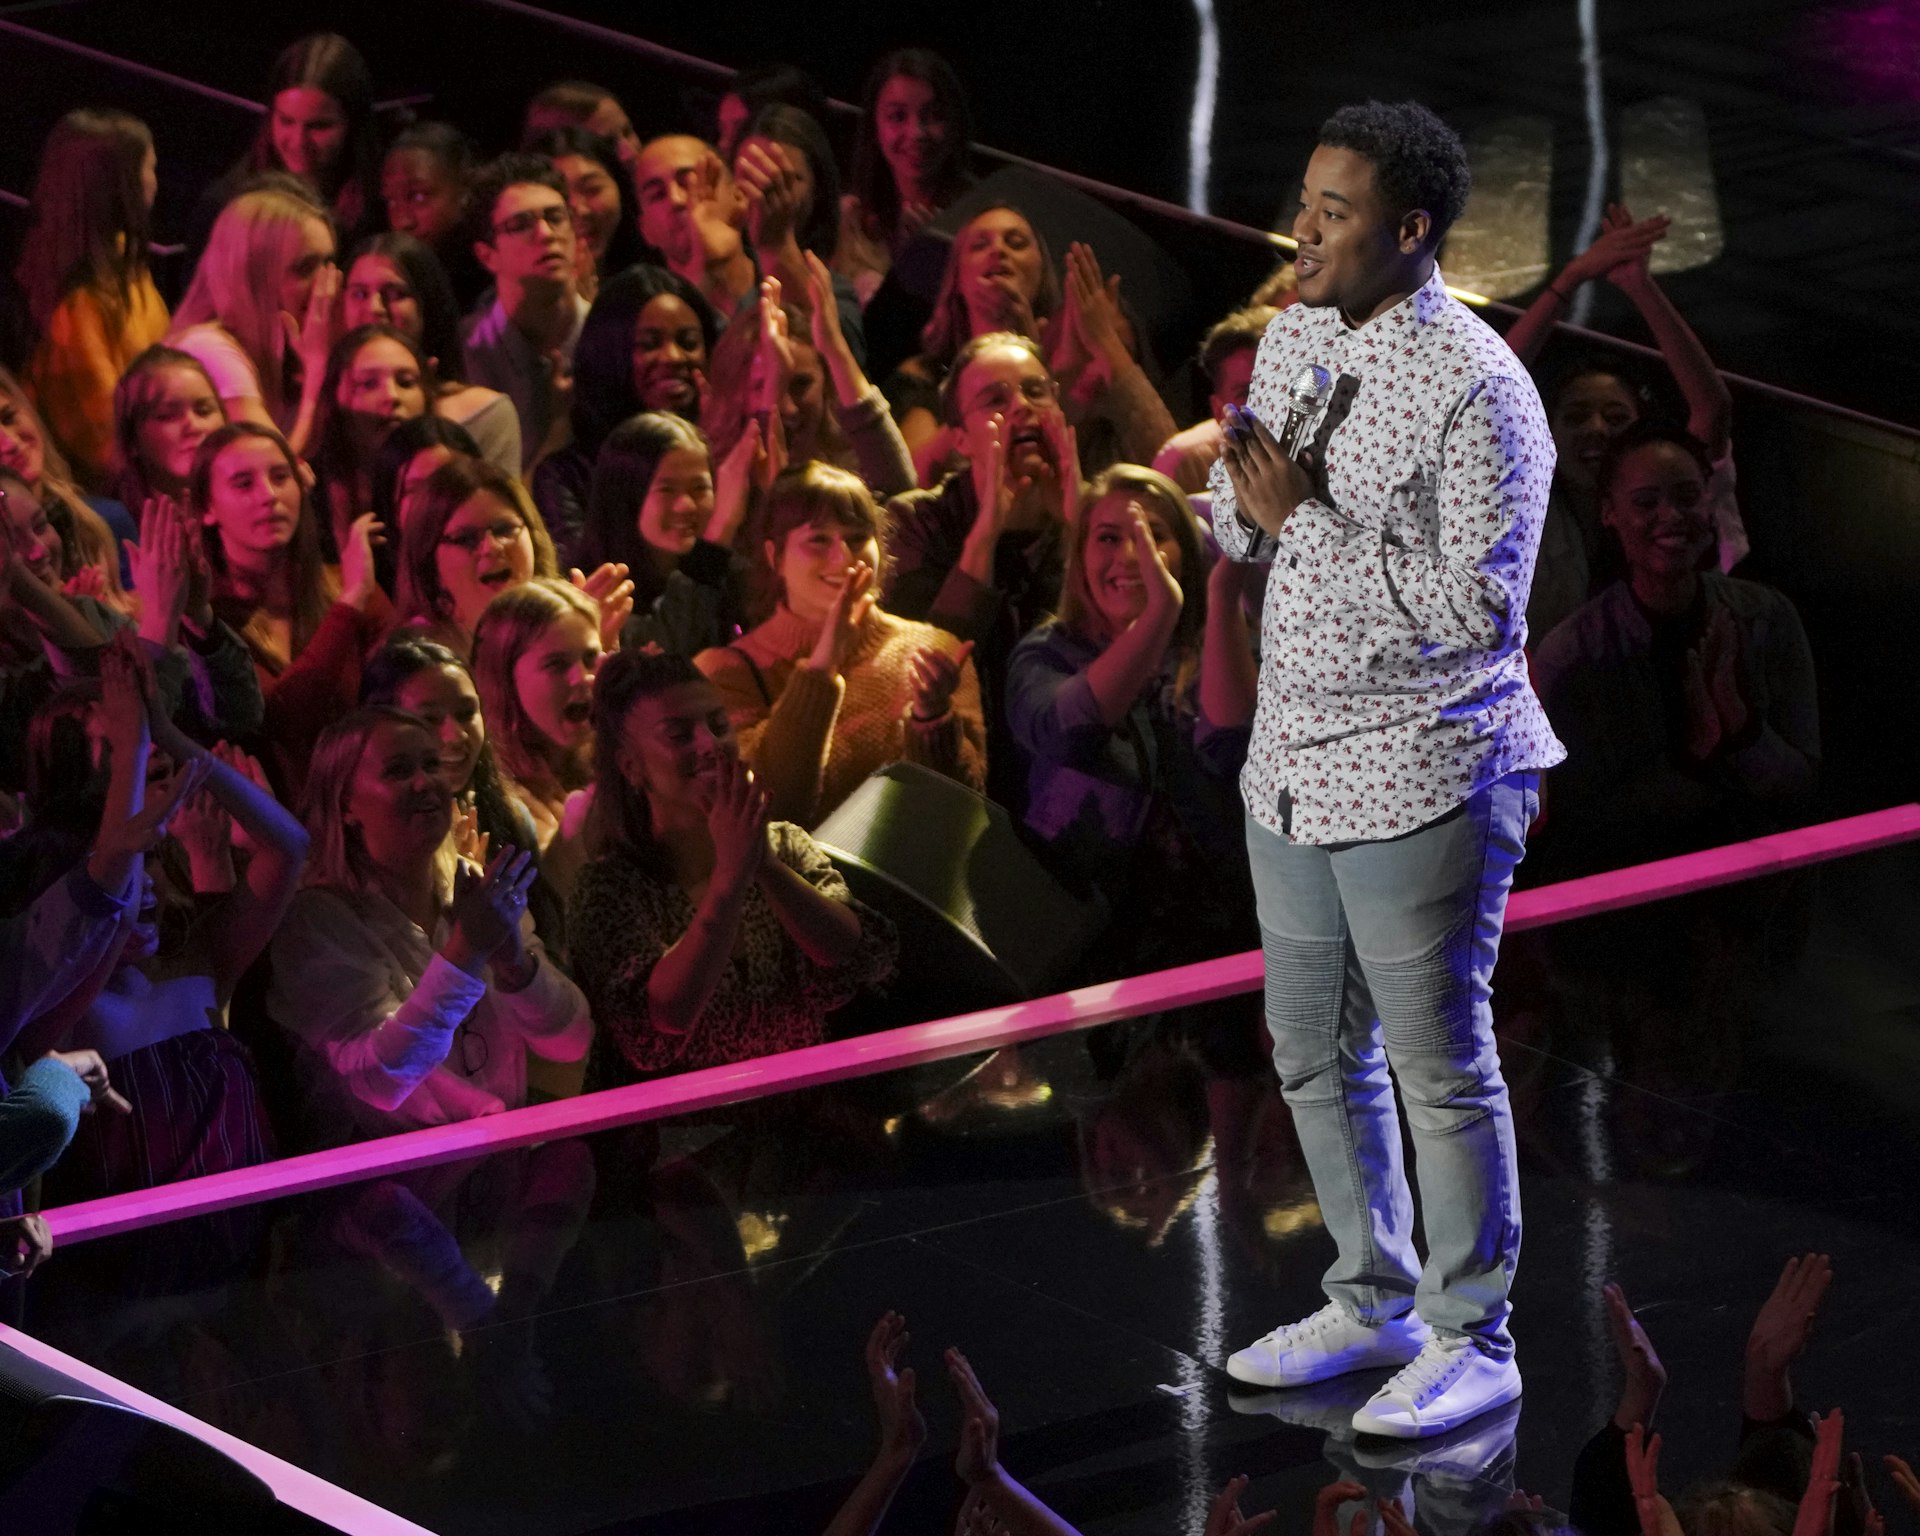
333 992
37 1120
46 950
548 1013
1051 708
1468 591
231 370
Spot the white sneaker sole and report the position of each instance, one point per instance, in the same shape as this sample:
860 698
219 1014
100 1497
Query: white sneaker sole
1365 1423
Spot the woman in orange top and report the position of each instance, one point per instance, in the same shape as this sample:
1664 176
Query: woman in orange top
83 268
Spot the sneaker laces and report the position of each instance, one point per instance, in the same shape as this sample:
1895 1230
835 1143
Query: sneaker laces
1429 1373
1306 1328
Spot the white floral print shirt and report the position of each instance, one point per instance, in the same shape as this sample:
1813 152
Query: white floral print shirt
1393 680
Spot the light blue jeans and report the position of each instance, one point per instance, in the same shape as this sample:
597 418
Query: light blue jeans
1380 956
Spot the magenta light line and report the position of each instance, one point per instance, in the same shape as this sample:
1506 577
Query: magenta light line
914 1044
291 1485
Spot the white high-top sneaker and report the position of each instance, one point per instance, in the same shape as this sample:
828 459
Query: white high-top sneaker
1330 1343
1450 1382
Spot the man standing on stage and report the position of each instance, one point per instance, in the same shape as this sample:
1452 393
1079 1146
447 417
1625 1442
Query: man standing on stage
1395 764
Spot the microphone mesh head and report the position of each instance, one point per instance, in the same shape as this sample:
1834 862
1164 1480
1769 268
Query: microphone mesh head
1309 388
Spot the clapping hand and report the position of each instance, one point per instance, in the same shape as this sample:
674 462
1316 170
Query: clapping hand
1645 1378
1622 251
168 571
1326 1508
933 674
737 821
1162 588
486 910
1781 1331
1815 1517
1226 1518
840 631
773 356
903 1428
610 589
978 1458
1643 1472
768 175
311 336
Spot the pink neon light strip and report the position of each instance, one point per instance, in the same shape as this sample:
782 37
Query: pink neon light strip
294 1487
918 1043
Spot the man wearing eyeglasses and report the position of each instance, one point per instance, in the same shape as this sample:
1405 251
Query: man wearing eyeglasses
522 343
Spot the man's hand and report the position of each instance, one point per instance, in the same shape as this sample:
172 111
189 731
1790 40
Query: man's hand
1267 485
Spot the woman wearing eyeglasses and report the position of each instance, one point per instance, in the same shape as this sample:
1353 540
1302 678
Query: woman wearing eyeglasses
470 535
413 988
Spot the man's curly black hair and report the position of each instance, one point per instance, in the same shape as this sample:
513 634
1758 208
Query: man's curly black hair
1418 161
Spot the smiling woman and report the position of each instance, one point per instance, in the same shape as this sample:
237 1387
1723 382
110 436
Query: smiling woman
307 623
831 688
470 534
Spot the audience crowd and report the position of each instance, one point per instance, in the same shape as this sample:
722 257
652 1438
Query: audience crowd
429 643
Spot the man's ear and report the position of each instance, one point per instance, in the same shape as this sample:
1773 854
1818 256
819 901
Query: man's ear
487 256
1415 227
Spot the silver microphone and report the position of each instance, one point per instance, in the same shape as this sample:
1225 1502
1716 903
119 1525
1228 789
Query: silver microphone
1305 396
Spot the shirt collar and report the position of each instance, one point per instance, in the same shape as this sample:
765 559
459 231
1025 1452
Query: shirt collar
1420 308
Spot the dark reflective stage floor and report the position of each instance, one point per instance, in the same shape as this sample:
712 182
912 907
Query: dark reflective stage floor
660 1329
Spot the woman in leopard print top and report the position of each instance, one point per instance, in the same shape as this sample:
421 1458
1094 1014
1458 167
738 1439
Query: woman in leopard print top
702 933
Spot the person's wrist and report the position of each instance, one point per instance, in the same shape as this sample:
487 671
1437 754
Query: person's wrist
514 973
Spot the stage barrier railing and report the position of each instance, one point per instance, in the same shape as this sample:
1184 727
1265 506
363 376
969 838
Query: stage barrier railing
938 1040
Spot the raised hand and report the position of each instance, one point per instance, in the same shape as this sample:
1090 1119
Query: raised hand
1643 1472
1065 468
311 335
486 909
358 582
1096 315
933 673
823 309
1815 1517
1905 1481
1645 1378
92 1070
840 631
978 1458
987 458
1226 1518
609 587
1326 1507
768 175
469 842
1621 251
1163 591
163 570
1720 667
737 822
88 581
204 829
1780 1333
903 1428
773 356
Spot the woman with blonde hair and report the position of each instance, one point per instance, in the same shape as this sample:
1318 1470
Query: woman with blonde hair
259 313
1133 709
164 408
413 991
831 688
91 528
83 269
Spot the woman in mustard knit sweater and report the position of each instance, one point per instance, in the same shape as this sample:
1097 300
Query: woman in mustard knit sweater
830 687
83 268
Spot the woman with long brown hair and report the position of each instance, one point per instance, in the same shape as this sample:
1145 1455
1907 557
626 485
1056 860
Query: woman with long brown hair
307 623
83 269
